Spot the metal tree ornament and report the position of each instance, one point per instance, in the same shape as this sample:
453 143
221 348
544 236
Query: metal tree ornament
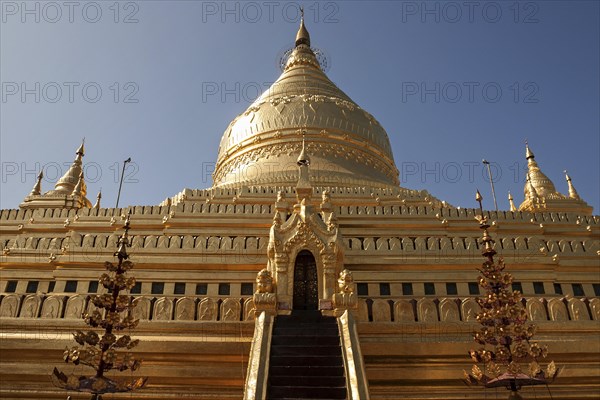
509 356
102 353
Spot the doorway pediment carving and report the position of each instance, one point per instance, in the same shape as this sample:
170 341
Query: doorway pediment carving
310 229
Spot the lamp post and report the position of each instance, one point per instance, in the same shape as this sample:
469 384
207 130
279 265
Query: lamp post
121 182
487 163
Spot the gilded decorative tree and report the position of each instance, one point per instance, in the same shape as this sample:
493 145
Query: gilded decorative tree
509 356
104 352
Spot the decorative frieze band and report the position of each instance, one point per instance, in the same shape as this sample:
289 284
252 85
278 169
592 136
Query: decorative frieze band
404 310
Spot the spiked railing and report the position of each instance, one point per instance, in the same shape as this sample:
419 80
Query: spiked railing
509 356
102 353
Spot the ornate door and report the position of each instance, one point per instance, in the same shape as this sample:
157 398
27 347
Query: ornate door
306 284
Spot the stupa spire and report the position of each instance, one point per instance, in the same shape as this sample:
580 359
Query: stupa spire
302 37
303 158
537 179
303 187
81 188
528 152
530 191
98 198
302 54
572 192
69 191
511 202
37 188
81 150
80 191
69 180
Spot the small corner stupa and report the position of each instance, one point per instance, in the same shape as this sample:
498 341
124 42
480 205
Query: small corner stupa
541 194
69 191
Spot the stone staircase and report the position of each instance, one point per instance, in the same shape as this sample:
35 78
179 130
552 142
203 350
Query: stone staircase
306 358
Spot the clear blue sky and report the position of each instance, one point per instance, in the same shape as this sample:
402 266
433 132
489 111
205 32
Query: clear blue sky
451 83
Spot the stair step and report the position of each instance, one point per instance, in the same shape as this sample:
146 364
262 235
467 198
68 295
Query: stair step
289 319
309 331
302 392
304 360
278 340
295 350
286 370
304 315
314 381
315 326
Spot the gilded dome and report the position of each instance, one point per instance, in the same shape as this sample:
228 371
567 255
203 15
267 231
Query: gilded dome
346 144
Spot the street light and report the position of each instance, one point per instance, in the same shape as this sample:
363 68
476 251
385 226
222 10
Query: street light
491 182
121 182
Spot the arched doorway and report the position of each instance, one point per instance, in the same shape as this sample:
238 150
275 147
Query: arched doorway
306 284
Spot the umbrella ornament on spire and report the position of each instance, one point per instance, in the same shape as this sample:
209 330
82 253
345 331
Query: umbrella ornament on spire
302 41
510 356
104 352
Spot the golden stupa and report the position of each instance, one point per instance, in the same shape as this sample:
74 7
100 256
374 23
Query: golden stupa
305 271
347 144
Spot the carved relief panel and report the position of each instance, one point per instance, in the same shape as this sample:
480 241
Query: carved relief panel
74 307
10 306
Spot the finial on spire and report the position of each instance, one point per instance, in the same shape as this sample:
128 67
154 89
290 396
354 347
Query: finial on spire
511 202
488 250
37 188
123 241
528 152
81 150
479 199
98 198
302 37
572 192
